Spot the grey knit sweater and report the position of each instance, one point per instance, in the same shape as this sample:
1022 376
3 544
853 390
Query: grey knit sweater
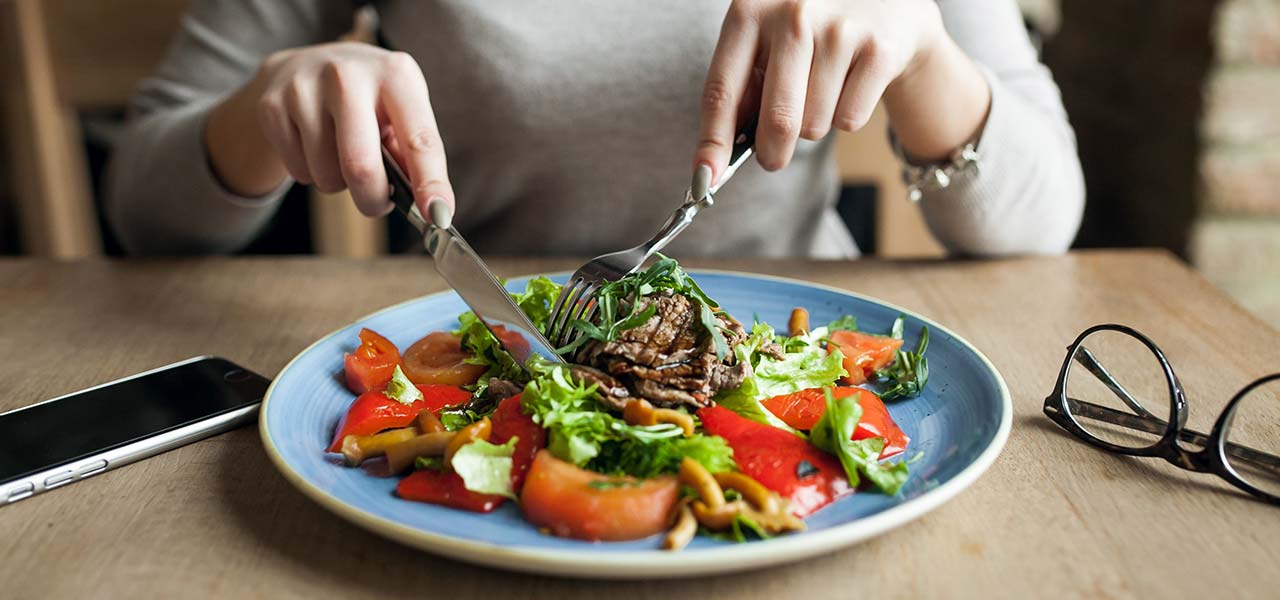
585 111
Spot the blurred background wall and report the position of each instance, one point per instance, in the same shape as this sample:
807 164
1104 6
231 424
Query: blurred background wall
1176 106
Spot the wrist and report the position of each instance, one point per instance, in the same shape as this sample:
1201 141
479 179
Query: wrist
933 42
940 103
240 156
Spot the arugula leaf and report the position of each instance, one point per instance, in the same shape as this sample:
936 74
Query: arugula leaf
618 307
709 321
401 389
833 433
805 364
613 484
844 323
486 468
909 372
582 431
431 463
738 530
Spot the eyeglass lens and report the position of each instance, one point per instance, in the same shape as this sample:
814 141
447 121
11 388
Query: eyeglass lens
1254 425
1117 390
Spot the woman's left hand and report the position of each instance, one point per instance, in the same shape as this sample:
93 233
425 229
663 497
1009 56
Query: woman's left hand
807 66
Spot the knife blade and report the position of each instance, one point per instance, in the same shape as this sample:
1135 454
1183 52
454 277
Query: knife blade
469 276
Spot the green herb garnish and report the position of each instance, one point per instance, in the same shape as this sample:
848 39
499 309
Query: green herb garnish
613 484
741 530
618 303
844 323
907 375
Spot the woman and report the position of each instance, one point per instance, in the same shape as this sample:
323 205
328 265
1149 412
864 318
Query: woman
569 127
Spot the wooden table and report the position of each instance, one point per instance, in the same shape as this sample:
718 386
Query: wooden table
1053 517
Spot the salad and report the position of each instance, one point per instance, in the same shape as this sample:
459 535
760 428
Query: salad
672 416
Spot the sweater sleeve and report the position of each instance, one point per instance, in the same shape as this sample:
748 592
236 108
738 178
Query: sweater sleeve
1028 196
162 196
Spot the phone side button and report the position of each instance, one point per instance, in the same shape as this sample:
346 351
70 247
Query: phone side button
91 468
19 492
56 480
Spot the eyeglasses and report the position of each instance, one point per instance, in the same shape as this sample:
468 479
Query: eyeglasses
1112 391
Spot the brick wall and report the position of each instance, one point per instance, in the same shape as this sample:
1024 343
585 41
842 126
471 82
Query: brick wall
1236 236
1176 106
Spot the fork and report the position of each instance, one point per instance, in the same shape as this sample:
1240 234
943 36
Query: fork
575 299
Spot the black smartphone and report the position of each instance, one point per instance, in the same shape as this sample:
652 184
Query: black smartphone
58 441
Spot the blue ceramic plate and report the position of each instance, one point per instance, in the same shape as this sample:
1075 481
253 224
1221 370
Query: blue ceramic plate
959 423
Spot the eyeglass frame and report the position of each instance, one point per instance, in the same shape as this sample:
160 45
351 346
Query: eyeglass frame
1212 458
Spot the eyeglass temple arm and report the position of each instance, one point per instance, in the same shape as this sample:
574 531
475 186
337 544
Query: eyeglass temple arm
1087 360
1151 424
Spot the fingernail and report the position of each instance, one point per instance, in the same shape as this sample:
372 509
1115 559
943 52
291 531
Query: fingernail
440 212
701 181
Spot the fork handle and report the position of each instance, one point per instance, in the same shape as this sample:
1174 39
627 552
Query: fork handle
743 143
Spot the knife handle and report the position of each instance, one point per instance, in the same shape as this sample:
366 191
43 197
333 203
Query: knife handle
402 192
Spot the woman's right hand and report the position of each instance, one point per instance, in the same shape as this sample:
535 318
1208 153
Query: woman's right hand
323 113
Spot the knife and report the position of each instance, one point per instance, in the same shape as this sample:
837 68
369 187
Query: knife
463 269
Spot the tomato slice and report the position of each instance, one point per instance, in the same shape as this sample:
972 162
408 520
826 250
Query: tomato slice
864 353
575 503
373 411
372 363
512 341
510 421
439 358
780 461
803 409
447 489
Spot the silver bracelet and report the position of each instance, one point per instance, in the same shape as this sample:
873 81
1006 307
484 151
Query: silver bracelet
939 175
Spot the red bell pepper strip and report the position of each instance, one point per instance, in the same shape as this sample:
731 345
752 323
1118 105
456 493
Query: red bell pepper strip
782 462
803 409
445 488
448 489
374 411
510 421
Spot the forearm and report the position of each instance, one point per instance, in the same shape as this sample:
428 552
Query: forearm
241 157
1028 195
162 196
939 103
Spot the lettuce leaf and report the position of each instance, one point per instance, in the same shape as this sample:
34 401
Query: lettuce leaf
833 433
536 301
805 364
401 389
486 468
580 430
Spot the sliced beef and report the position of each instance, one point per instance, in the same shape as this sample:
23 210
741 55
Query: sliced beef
610 390
501 389
670 360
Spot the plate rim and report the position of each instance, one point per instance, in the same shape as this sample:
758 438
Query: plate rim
656 562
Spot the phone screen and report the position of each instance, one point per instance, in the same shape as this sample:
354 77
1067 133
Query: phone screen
46 435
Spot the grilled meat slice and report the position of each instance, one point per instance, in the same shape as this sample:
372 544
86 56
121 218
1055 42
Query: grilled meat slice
610 390
670 359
